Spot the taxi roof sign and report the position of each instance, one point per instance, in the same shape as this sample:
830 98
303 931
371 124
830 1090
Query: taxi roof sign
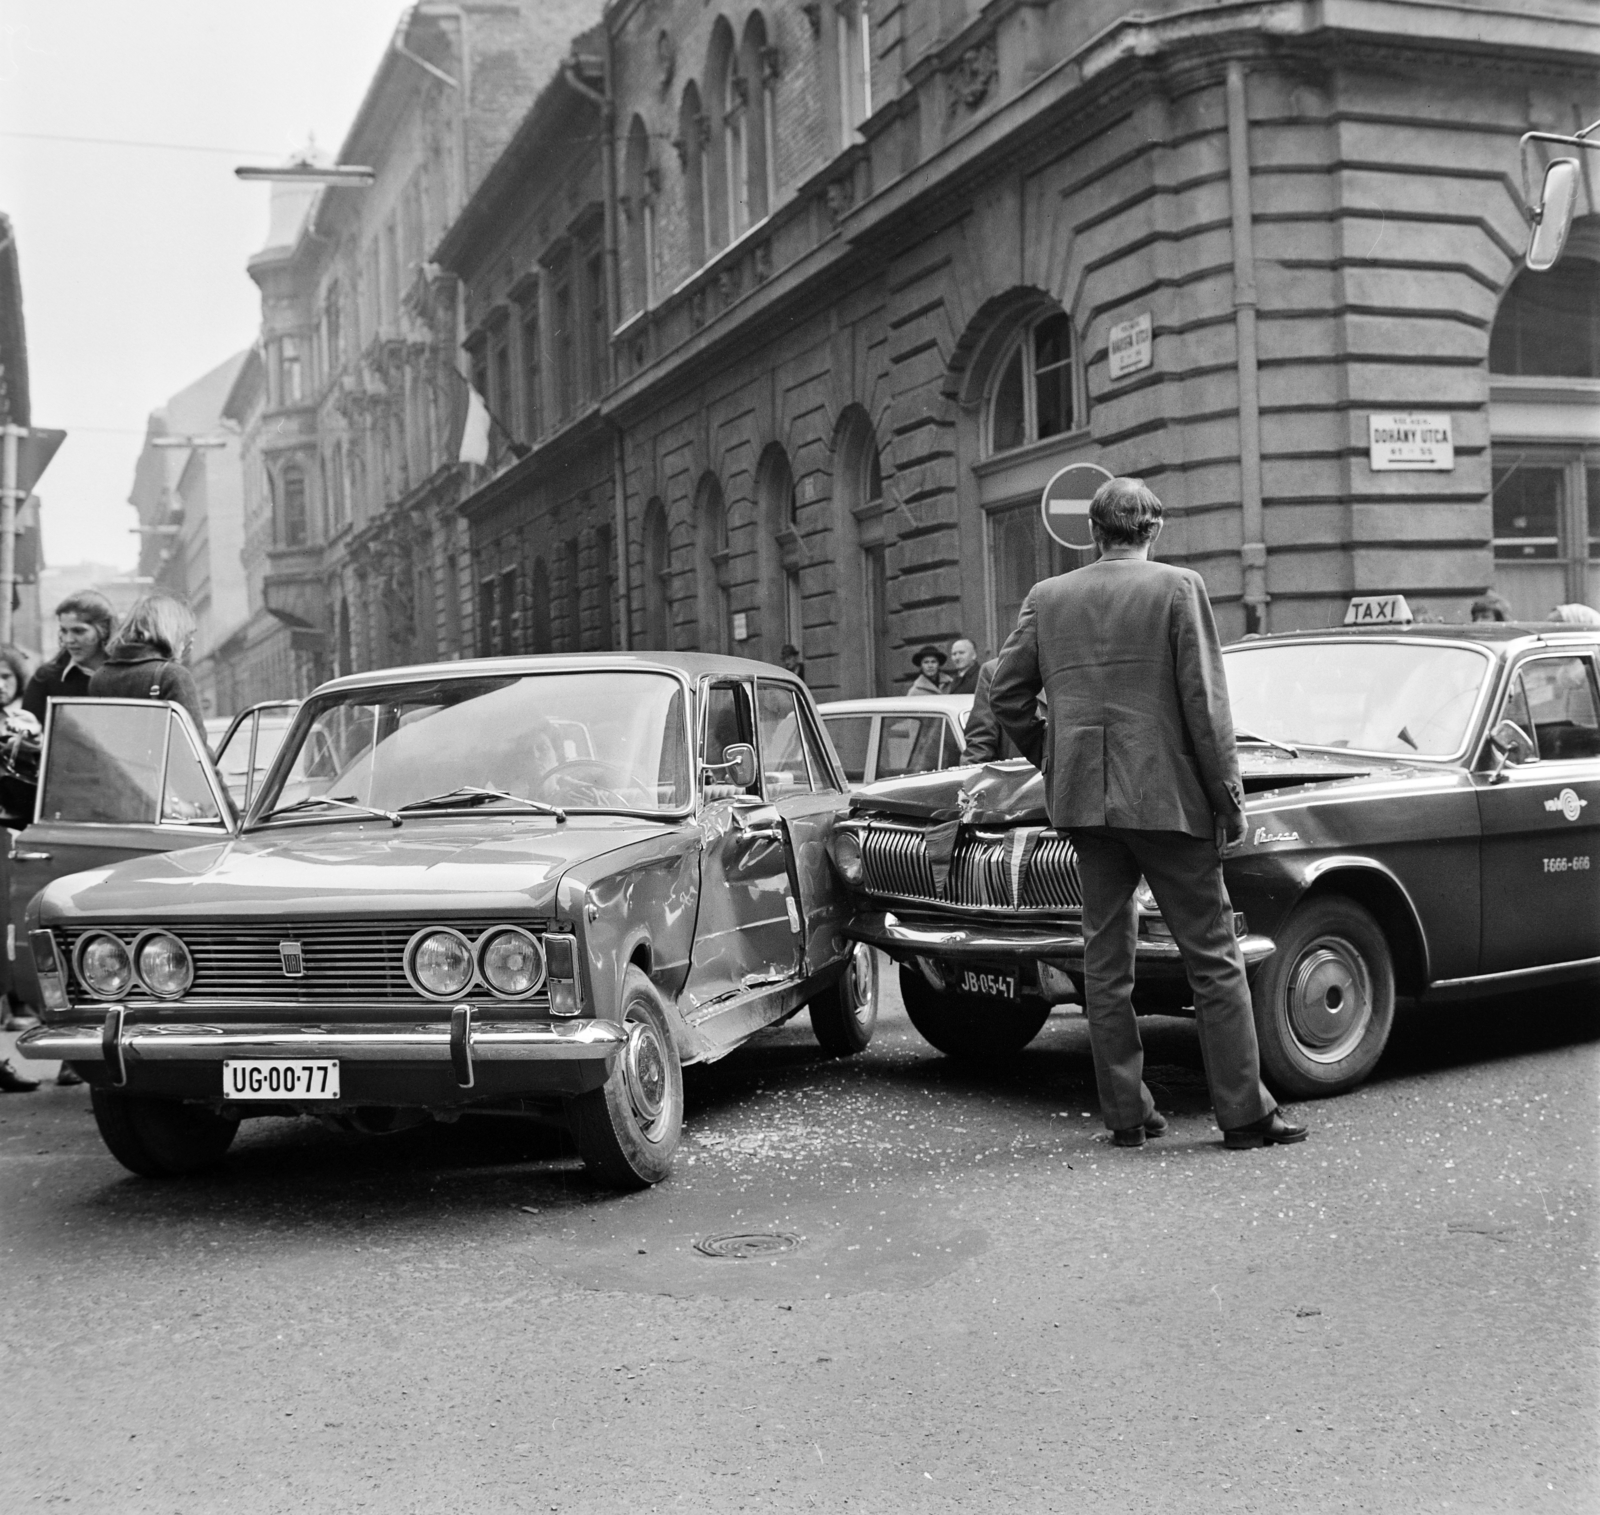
1378 610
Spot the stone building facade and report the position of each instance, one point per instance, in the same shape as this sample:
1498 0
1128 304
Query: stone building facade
354 419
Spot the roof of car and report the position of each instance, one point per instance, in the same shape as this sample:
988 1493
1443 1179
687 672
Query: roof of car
899 704
692 664
1493 632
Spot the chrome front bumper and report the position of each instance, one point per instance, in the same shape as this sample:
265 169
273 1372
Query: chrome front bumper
990 944
564 1041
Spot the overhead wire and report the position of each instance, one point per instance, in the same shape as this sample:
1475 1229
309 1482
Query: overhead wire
170 147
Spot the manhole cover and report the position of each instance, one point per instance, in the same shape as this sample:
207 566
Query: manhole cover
747 1244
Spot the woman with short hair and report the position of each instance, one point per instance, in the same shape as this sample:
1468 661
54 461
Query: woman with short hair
144 660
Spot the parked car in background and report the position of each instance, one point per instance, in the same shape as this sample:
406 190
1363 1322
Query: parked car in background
898 735
538 885
245 745
1424 821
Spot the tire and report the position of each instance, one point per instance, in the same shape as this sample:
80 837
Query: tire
1324 1001
969 1025
160 1138
628 1129
843 1018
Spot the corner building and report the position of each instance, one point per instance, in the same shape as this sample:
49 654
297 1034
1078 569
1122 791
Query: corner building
868 259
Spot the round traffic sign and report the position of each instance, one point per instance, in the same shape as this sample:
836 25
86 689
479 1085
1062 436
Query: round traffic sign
1064 506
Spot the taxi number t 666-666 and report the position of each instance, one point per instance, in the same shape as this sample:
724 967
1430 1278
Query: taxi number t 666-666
1577 864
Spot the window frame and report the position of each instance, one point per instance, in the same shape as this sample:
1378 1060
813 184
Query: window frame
1022 342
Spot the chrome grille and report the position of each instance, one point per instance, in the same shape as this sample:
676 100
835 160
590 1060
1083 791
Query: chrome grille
346 962
895 859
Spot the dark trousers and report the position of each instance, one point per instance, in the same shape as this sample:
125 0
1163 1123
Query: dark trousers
1185 875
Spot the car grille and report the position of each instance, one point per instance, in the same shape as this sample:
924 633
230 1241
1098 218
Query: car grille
345 962
1022 869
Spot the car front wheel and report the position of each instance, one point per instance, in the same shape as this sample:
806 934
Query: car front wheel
843 1017
969 1025
628 1129
160 1138
1324 1001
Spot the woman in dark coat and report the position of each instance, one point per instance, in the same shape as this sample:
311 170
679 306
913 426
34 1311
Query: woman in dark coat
144 660
84 624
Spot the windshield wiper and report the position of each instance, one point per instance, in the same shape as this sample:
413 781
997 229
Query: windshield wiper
1242 734
476 794
342 802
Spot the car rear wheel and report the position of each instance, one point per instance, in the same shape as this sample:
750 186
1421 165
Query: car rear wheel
1324 1001
160 1138
844 1016
628 1129
969 1025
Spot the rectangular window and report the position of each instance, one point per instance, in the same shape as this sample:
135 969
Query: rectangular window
291 376
488 620
532 373
499 397
510 619
851 735
875 563
1546 513
565 348
1556 700
855 64
599 326
784 762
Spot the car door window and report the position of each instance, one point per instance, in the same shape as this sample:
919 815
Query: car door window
784 761
728 720
911 744
1559 694
851 736
186 795
104 763
822 772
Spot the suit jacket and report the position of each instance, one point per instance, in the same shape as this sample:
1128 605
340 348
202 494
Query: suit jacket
965 682
1140 732
986 742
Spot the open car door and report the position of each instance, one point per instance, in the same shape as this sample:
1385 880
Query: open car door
117 779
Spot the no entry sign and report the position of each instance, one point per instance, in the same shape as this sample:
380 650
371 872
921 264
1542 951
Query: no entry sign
1064 506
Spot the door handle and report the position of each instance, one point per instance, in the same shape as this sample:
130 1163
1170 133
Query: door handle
30 857
759 822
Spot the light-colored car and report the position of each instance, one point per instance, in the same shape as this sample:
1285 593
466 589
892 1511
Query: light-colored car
245 744
899 735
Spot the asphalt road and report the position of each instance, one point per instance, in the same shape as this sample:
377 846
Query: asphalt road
988 1308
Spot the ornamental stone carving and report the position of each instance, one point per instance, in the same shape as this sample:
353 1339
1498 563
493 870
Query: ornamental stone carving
970 78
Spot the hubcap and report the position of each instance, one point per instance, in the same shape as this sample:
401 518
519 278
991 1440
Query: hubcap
861 983
1330 1000
645 1068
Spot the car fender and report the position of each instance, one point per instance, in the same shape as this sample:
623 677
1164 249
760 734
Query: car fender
1379 890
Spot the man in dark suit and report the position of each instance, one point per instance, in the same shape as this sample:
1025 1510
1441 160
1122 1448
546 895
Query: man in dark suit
1141 770
985 741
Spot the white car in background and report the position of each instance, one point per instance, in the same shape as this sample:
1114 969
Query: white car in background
897 735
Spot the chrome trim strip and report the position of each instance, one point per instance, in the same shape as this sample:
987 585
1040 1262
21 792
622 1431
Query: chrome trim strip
566 1041
1512 976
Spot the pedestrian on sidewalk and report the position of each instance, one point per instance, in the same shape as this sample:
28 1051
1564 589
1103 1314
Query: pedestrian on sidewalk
1142 772
930 678
84 624
144 661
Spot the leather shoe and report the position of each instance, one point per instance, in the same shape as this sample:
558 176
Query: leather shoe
1155 1124
1270 1131
12 1082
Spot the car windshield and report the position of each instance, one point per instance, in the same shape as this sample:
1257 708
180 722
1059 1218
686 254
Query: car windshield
603 741
1407 698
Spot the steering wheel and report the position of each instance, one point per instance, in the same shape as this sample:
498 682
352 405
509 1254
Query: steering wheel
592 781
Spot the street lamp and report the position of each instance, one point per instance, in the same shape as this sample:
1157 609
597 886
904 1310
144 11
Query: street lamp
350 174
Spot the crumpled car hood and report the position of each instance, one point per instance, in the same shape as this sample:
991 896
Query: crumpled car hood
1010 792
427 866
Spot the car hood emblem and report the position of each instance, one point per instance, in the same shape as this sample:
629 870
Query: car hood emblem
293 959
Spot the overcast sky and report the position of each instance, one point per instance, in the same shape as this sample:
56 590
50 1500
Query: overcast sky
132 258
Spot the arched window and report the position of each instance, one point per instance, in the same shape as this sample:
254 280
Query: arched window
292 521
724 182
862 612
782 554
693 130
657 568
539 607
1544 356
639 209
1035 392
711 542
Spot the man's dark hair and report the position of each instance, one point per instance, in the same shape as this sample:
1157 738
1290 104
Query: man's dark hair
1125 512
91 606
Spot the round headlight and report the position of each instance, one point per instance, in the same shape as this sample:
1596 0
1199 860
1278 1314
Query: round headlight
511 961
441 963
104 965
165 967
847 857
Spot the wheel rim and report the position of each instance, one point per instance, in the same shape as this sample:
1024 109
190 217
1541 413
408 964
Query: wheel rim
644 1071
860 984
1330 999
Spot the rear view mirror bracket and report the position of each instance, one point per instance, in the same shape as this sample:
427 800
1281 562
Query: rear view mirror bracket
1551 214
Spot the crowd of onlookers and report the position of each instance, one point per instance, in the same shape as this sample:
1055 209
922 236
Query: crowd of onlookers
141 659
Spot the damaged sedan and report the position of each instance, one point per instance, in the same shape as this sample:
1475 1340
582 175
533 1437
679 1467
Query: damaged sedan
535 886
1424 819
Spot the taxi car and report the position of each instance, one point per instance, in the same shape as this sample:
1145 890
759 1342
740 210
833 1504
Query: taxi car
891 736
1424 821
538 885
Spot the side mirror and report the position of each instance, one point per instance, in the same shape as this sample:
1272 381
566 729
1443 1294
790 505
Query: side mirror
1511 744
738 766
1552 216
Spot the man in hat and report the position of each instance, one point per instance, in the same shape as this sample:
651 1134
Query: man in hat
930 679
